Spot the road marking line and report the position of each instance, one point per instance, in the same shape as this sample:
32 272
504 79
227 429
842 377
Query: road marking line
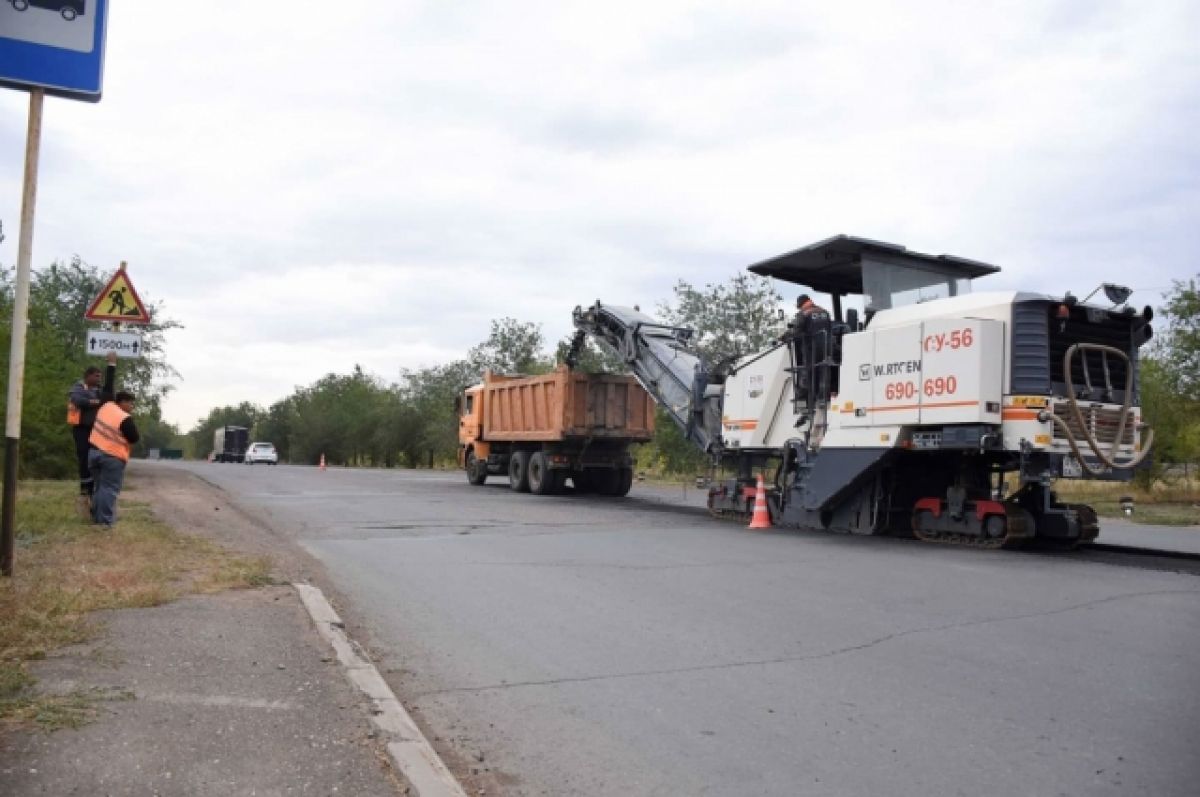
410 750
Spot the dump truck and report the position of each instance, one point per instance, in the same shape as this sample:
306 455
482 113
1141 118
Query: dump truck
229 443
541 431
943 414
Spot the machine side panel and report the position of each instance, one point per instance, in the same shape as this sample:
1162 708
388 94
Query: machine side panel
853 403
961 371
757 410
896 377
863 437
838 472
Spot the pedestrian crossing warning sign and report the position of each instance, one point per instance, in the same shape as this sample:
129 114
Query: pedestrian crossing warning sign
119 302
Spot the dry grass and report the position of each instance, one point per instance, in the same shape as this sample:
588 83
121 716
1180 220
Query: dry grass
1173 503
65 569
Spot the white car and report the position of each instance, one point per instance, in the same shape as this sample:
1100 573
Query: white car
262 452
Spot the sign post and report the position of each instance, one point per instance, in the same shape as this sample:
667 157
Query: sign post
42 50
16 357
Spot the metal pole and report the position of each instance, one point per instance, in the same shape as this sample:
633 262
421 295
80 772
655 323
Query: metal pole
16 358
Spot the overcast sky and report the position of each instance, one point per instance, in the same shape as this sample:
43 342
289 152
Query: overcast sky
309 184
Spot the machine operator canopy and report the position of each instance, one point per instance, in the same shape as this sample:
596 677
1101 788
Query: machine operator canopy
886 275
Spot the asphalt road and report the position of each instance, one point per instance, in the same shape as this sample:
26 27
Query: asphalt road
595 646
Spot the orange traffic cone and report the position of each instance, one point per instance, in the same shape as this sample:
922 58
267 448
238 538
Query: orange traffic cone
762 517
322 465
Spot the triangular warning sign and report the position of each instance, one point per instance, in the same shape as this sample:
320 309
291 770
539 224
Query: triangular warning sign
119 302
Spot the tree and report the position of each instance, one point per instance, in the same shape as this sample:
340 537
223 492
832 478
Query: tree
512 347
54 359
153 431
244 414
593 359
1178 347
1169 379
729 320
275 426
430 395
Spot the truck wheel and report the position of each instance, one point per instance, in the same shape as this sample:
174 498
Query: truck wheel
604 481
518 472
541 477
476 470
622 483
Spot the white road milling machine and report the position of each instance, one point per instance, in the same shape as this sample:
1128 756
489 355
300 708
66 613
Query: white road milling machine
909 421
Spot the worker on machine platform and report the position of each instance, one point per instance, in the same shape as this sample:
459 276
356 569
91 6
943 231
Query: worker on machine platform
809 335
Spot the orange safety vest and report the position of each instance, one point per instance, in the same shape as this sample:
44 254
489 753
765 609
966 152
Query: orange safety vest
74 416
106 434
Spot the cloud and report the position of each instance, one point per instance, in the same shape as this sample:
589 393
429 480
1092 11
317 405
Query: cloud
373 183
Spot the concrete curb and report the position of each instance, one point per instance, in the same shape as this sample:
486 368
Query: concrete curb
409 748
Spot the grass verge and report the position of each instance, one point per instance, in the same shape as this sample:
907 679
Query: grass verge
1165 503
65 569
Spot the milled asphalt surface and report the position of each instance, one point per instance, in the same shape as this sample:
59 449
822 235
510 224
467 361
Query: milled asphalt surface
586 646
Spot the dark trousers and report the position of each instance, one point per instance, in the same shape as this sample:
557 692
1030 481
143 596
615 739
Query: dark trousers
81 433
109 473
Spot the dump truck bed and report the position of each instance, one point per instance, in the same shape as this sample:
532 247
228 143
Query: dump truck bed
566 404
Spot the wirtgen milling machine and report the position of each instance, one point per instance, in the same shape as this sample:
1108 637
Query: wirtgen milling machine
908 421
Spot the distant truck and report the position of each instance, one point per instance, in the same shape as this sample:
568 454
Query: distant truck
229 444
541 431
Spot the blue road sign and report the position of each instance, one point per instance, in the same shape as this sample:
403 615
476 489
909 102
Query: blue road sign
56 45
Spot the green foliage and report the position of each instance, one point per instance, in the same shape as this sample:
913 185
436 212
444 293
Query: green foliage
729 320
670 453
429 395
513 347
244 414
359 420
55 359
276 425
1170 382
1178 348
593 359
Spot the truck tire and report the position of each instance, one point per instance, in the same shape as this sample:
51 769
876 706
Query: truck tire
606 482
622 483
541 476
518 472
476 469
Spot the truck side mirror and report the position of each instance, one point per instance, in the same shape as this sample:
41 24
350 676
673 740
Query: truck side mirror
458 405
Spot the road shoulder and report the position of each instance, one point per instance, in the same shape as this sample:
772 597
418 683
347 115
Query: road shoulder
216 694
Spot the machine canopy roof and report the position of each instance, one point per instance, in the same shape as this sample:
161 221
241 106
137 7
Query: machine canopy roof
835 265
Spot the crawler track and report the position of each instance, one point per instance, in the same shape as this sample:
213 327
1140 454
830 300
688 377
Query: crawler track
1018 533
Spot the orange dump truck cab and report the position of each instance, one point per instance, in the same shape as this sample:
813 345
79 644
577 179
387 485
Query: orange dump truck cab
542 431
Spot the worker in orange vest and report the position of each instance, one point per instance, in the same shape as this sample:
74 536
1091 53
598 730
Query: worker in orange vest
113 436
83 401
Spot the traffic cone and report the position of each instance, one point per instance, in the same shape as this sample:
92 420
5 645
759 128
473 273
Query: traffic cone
322 465
762 517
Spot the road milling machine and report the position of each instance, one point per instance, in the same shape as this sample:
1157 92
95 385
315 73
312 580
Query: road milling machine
941 413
